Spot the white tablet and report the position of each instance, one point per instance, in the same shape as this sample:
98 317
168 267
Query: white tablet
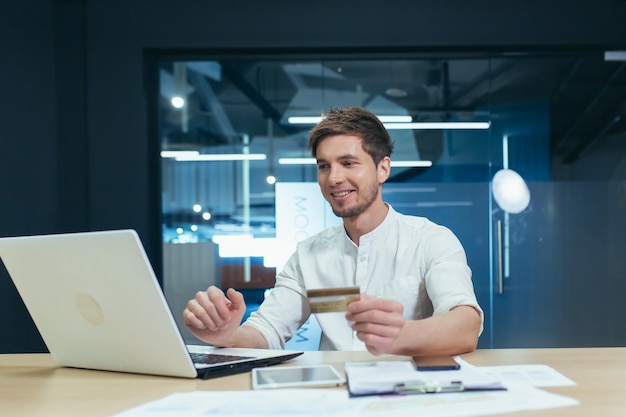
296 376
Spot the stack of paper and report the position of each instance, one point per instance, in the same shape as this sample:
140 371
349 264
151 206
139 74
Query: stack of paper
479 397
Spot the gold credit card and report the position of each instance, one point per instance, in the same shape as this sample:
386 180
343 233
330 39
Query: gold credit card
329 300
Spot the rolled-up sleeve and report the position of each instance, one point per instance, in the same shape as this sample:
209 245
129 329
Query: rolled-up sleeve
284 309
448 277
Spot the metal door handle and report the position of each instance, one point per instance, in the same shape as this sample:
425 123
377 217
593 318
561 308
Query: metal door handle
500 258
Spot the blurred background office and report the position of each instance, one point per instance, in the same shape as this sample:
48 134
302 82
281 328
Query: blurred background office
136 114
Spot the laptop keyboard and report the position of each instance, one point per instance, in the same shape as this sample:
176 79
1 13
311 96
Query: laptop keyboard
215 358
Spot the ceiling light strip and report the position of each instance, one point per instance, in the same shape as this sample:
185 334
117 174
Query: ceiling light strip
399 164
296 161
190 156
615 56
438 126
411 164
404 123
175 154
313 120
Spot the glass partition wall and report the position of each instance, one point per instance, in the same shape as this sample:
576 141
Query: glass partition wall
521 155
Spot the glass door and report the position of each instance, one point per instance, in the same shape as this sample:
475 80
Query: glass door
557 206
520 155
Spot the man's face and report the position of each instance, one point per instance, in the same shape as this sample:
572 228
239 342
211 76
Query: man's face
346 175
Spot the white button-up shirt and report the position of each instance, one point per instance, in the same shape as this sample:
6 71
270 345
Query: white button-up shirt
406 258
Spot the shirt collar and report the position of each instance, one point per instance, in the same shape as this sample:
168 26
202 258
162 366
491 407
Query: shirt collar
379 232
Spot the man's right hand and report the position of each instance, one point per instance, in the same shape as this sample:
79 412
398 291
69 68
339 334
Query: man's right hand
213 317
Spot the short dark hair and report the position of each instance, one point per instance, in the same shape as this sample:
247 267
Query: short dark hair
354 121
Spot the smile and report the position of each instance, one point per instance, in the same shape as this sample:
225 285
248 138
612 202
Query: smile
341 193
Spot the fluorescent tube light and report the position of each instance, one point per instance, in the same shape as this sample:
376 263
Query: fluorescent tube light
399 164
312 120
395 119
296 161
412 164
175 154
402 122
304 120
615 56
223 157
438 125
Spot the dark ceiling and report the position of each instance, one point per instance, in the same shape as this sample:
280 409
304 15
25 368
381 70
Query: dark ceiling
585 95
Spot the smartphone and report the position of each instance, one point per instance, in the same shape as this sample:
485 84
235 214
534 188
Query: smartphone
436 363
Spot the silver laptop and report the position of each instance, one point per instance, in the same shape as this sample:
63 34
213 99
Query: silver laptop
98 305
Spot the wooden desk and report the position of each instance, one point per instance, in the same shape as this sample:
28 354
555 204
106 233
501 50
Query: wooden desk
32 385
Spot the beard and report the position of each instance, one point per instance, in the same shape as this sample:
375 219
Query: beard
370 195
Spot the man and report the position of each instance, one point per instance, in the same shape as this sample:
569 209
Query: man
417 297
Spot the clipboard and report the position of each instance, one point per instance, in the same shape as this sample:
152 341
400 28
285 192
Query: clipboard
403 378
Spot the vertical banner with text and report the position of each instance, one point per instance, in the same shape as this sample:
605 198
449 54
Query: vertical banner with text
301 211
